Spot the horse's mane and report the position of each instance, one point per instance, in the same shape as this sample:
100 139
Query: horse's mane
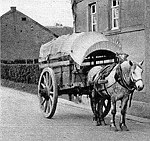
126 69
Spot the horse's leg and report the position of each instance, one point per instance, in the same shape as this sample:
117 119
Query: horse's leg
70 97
75 98
94 107
124 104
113 112
79 98
101 118
98 112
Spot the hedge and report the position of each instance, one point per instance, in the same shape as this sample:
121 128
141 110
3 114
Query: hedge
21 73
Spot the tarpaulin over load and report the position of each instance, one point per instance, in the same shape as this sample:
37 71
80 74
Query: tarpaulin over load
77 45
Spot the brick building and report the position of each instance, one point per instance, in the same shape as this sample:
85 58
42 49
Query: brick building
127 23
21 36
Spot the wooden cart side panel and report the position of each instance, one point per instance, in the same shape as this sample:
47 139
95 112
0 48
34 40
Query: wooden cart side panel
63 75
55 64
67 77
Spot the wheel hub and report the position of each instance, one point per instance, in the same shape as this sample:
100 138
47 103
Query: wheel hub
44 93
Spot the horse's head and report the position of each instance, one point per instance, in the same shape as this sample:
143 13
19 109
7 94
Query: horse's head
136 75
132 75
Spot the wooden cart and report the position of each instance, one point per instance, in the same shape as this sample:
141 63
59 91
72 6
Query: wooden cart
65 63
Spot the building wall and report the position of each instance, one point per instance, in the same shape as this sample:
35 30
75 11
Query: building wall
82 8
147 45
131 14
133 36
21 37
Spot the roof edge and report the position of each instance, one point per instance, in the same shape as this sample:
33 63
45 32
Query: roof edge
11 11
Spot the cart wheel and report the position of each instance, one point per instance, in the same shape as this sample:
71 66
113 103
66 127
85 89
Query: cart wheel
106 106
47 92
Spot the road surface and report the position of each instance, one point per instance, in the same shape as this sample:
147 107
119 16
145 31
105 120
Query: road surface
21 120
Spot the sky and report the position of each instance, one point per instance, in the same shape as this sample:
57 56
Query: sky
45 12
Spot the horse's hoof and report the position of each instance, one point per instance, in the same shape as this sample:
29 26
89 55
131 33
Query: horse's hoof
113 128
96 123
103 123
124 128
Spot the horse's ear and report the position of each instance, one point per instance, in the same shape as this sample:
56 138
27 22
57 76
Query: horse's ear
126 56
131 63
141 63
117 54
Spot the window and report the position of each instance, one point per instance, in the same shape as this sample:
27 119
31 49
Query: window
23 18
115 14
93 20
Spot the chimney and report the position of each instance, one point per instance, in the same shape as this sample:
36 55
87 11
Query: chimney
13 9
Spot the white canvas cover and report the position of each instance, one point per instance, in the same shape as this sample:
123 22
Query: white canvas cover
77 45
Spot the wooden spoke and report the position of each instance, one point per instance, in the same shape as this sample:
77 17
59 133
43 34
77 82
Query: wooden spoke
47 78
46 105
104 104
50 101
43 85
51 93
45 81
43 102
51 86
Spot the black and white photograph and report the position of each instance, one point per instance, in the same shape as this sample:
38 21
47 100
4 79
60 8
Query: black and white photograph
75 70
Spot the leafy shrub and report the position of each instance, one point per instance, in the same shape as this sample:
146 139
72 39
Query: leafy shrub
21 73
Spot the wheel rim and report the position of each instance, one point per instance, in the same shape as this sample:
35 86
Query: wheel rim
47 92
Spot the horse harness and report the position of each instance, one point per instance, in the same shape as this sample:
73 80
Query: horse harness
119 77
102 74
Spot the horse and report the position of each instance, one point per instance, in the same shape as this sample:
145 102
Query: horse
120 84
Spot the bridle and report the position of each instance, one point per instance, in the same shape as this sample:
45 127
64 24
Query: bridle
135 81
119 77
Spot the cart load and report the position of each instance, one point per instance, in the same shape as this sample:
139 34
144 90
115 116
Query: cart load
77 46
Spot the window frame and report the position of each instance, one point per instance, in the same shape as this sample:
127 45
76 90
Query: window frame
113 18
92 16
